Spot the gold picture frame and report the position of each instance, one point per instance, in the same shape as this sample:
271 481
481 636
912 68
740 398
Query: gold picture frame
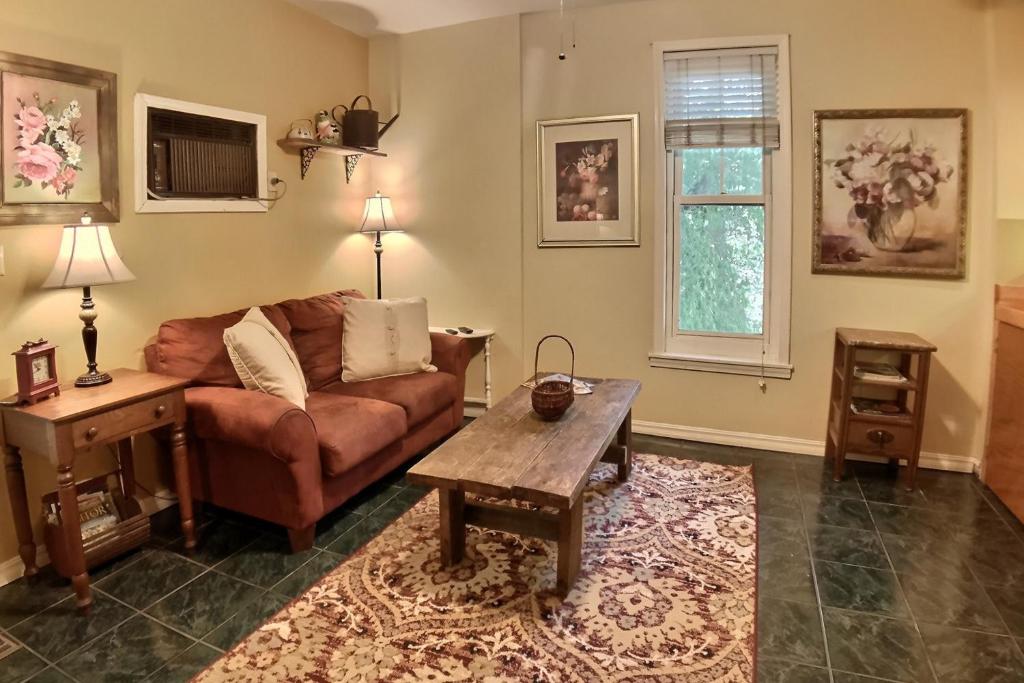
890 192
58 142
588 173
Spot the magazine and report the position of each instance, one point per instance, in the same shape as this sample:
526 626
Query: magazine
579 387
878 372
873 406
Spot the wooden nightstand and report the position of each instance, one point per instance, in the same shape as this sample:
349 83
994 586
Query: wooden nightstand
893 435
78 420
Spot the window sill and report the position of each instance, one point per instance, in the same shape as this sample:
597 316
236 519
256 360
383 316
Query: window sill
730 366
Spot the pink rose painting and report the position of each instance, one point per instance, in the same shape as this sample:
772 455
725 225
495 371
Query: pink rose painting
49 137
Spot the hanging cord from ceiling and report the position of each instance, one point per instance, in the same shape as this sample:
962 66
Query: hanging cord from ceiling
561 29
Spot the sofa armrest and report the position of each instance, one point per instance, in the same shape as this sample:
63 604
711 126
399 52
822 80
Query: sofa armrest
449 353
253 419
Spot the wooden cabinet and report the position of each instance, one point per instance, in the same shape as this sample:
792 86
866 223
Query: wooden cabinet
1004 452
894 434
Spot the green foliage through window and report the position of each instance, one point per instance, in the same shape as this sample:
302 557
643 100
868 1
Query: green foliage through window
721 264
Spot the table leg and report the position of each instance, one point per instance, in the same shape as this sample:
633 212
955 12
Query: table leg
570 546
179 454
624 438
67 493
453 525
19 509
487 373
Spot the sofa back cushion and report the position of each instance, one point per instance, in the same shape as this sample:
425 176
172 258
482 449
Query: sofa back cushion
193 348
316 328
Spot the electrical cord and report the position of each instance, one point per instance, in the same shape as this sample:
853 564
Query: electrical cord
274 182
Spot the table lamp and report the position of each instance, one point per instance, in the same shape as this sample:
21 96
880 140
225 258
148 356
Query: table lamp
87 258
379 217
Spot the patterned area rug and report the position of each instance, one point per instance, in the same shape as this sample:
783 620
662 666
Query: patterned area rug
666 593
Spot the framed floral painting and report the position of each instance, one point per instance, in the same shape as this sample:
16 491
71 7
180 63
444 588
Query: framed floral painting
587 171
59 142
890 192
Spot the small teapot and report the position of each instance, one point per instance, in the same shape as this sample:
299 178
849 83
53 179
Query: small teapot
327 130
299 131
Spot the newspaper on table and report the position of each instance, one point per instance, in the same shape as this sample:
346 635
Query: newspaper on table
579 387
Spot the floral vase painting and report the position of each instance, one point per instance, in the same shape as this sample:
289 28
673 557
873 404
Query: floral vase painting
890 192
50 141
587 182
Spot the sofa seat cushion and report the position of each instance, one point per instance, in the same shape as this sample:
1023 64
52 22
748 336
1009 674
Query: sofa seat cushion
350 429
421 395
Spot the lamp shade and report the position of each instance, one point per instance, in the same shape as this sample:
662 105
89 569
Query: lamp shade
87 257
378 216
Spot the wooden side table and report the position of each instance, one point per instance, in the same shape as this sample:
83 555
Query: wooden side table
80 419
893 435
487 335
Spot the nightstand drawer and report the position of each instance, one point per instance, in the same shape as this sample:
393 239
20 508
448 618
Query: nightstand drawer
117 423
876 438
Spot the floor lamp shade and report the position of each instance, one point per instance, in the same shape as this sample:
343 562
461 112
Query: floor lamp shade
87 258
378 218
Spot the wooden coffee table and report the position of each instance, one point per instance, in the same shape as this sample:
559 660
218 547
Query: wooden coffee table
512 455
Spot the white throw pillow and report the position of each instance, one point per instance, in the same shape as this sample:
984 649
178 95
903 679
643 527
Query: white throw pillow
264 360
384 337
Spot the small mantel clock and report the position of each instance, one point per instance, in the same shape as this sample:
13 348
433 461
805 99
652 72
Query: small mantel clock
36 366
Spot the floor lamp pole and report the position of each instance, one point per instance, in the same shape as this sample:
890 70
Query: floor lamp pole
378 249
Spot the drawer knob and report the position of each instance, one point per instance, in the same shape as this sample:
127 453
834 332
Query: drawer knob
91 434
160 410
880 437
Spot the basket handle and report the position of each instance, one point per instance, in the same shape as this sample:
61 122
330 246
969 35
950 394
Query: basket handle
335 116
572 351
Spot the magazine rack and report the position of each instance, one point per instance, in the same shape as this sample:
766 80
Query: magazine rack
895 432
129 533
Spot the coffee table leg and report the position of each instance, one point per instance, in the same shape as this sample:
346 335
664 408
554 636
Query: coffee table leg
453 525
624 438
570 546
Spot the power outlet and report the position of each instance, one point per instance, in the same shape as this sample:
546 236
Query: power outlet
273 179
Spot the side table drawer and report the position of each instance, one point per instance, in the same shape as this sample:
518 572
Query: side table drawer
875 438
117 423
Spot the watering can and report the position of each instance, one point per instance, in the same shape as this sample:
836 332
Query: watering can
360 127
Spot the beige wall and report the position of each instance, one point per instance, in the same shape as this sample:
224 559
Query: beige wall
1006 51
261 56
603 298
453 174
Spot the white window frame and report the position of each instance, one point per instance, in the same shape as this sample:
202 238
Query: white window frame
146 204
766 354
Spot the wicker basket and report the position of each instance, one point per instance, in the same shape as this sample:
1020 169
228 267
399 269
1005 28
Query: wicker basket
552 398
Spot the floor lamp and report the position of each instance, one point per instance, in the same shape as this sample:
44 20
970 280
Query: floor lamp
379 218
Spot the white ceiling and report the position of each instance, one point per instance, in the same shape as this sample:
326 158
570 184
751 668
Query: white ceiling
377 17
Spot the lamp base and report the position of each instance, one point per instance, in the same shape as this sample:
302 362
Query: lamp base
93 379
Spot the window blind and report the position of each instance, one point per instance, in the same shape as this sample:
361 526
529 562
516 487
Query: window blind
722 98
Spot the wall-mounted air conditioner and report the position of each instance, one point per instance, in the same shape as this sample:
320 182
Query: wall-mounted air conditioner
197 158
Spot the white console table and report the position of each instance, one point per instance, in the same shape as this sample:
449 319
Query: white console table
487 336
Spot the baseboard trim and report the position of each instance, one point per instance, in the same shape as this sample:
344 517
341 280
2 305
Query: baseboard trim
474 407
769 442
12 569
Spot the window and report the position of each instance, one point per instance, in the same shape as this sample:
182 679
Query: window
723 244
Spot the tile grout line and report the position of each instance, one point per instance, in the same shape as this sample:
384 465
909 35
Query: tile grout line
814 576
903 593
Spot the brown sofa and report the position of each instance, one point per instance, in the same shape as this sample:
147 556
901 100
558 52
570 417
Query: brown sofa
260 455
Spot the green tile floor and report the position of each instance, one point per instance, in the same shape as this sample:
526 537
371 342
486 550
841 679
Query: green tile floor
859 581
